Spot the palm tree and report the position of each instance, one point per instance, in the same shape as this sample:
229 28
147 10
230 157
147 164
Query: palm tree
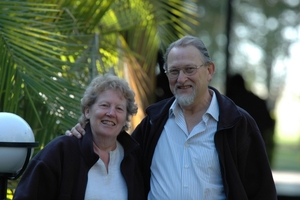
49 51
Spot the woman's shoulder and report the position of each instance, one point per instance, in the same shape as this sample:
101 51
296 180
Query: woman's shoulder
59 151
60 143
63 140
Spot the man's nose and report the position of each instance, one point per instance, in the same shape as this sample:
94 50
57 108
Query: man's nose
181 76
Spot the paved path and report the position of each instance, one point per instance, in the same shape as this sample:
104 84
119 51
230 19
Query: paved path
287 184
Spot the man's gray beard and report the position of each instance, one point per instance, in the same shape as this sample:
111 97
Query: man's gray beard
183 100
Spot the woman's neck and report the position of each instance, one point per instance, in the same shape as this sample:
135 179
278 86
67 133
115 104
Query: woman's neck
103 152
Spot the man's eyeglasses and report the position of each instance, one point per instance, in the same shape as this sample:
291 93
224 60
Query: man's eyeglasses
187 70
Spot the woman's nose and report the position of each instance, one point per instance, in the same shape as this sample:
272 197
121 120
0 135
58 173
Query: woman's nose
111 112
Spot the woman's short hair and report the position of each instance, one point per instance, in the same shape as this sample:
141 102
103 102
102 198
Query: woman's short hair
105 82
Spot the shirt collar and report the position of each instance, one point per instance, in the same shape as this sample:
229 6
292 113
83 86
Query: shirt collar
212 110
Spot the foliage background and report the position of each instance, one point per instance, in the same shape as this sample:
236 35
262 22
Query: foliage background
51 50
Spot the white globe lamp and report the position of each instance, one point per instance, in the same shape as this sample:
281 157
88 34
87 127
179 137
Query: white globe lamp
16 148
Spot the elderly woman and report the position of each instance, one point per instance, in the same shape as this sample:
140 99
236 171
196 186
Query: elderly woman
101 165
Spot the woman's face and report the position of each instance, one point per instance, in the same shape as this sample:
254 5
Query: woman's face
108 114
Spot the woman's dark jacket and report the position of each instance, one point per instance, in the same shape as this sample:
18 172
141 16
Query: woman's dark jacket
60 170
243 160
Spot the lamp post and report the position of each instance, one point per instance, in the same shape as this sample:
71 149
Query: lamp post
16 148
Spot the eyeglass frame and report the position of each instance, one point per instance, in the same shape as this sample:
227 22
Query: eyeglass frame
167 72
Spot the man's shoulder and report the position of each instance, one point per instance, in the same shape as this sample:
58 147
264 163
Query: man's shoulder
160 107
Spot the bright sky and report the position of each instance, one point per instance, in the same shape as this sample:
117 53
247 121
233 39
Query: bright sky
288 106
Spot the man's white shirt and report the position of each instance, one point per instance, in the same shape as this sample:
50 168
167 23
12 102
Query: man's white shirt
186 166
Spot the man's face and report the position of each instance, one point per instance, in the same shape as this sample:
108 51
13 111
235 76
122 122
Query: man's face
188 90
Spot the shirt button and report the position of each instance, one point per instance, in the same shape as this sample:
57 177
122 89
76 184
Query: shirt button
186 166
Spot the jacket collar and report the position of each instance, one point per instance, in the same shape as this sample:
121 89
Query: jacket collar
127 142
229 113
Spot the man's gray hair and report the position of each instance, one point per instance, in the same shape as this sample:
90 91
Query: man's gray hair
186 41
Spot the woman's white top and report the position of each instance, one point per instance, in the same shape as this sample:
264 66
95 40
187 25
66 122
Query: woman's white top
103 184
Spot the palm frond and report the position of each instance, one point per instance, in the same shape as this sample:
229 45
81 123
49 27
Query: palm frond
31 65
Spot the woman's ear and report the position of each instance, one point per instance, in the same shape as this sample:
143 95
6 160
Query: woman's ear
87 113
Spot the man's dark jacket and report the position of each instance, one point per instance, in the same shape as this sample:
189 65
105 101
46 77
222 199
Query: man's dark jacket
60 170
243 160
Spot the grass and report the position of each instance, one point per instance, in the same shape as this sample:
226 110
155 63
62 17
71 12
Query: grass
286 157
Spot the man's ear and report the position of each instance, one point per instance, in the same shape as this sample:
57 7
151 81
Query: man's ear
211 71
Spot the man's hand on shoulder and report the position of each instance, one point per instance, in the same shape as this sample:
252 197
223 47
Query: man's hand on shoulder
77 131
